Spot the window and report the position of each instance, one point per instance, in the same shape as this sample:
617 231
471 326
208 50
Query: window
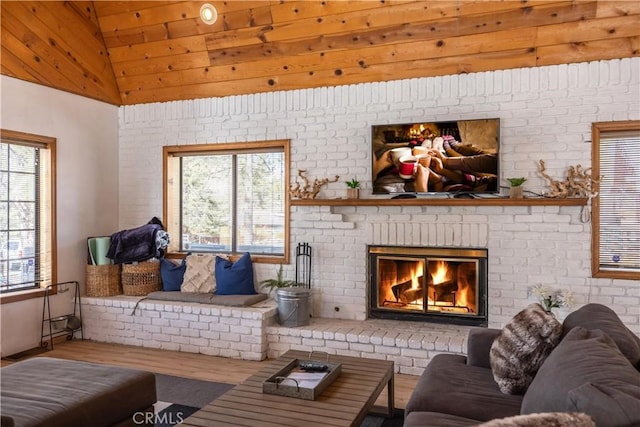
27 204
616 210
228 198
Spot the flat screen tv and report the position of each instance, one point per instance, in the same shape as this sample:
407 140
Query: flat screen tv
449 157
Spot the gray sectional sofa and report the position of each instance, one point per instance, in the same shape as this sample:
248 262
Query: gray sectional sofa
594 370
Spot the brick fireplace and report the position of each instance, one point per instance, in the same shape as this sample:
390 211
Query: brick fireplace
431 284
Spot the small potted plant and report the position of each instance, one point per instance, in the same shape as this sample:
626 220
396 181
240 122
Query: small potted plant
278 282
516 190
353 189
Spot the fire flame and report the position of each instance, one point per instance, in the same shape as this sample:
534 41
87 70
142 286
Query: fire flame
452 282
465 293
414 133
441 273
416 273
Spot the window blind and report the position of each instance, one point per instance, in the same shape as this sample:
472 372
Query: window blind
619 201
25 215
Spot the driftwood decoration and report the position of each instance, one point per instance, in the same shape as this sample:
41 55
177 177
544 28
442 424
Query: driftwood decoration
308 190
578 183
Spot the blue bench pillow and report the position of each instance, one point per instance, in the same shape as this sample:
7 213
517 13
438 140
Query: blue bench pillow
172 274
235 278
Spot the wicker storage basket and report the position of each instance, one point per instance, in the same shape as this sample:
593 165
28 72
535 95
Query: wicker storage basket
102 280
141 279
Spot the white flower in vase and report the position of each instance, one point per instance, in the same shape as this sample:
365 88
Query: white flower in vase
551 299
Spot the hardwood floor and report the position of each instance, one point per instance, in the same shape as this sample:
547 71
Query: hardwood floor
189 365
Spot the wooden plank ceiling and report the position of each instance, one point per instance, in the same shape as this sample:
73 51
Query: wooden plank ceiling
135 52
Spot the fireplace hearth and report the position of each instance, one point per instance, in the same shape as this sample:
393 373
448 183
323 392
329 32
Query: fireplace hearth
444 285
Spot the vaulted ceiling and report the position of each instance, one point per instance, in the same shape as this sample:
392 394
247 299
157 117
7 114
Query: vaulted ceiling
134 52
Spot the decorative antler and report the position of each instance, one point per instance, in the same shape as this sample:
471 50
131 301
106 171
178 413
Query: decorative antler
579 182
308 190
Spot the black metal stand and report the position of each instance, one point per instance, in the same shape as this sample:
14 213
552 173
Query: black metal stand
303 264
73 321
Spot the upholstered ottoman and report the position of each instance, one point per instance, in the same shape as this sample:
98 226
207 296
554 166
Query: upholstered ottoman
54 392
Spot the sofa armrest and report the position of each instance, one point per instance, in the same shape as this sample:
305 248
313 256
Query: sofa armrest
478 346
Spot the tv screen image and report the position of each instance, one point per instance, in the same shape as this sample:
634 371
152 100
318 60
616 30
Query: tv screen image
436 157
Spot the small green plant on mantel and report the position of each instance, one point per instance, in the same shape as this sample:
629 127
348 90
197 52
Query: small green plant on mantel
278 282
353 189
516 191
353 183
516 182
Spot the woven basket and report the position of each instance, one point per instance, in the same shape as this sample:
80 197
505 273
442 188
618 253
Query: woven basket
141 279
102 280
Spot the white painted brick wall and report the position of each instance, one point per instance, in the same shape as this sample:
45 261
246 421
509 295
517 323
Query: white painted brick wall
546 113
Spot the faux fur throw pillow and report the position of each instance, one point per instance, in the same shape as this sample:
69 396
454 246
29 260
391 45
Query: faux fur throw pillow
521 347
551 419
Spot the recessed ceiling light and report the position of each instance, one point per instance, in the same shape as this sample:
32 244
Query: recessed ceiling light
208 14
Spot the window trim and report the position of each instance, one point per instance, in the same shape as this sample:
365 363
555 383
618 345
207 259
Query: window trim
169 151
50 144
596 129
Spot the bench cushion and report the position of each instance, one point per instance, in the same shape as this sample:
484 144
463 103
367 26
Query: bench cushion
209 298
45 391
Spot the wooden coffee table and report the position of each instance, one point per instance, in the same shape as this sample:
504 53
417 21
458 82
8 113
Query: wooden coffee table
344 403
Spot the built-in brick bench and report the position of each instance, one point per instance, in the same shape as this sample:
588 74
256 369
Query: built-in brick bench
253 333
234 332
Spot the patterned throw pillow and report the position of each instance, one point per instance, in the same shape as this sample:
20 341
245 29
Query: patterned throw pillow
200 273
521 347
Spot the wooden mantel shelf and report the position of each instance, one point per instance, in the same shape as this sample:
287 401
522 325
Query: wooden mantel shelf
441 201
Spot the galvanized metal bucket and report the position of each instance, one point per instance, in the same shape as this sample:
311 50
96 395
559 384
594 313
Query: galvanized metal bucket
294 306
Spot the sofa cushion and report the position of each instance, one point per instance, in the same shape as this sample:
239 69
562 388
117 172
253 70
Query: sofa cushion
551 419
450 386
200 274
616 406
522 346
585 357
598 316
235 278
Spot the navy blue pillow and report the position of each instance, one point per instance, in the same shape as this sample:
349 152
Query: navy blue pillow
235 278
172 275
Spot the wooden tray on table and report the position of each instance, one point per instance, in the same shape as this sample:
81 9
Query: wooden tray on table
303 378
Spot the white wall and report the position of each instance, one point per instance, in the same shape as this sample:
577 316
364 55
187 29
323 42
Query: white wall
87 186
546 113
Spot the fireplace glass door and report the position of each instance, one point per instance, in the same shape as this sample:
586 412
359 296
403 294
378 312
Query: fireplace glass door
442 284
